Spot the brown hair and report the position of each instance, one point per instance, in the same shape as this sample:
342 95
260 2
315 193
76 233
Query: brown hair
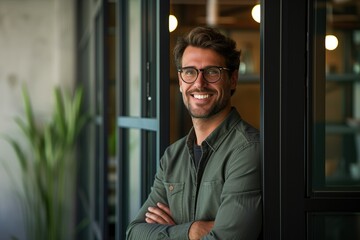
209 38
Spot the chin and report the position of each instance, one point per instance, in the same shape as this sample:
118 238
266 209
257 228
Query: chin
203 115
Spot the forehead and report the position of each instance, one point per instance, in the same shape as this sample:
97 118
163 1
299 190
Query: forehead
202 57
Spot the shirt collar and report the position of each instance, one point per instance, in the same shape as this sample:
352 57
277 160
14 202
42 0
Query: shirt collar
215 139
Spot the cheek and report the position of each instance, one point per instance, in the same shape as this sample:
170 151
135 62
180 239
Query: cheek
226 88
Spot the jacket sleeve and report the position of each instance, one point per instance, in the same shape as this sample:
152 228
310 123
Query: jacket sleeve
139 229
239 216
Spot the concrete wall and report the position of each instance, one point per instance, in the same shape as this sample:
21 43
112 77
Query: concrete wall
37 47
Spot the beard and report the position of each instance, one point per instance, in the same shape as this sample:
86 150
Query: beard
204 113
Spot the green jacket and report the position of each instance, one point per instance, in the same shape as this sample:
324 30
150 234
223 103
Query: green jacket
226 187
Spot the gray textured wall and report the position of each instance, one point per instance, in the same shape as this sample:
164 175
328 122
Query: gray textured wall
37 47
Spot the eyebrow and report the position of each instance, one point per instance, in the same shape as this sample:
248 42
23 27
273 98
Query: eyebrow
203 67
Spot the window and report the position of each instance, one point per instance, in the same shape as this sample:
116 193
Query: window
142 103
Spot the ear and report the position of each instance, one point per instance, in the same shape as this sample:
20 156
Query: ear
180 82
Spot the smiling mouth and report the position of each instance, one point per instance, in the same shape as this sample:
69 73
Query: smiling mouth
201 96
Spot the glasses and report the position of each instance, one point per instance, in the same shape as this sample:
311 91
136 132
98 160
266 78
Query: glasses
210 74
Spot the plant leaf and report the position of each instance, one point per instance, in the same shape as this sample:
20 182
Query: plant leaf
19 153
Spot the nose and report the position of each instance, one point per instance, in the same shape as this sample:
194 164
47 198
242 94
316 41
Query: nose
200 81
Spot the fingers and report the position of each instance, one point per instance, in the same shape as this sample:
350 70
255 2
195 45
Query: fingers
165 208
157 215
160 214
149 220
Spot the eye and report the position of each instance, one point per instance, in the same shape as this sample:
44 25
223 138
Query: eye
189 71
212 71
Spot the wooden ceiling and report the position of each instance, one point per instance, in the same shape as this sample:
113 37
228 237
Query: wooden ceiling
345 14
230 14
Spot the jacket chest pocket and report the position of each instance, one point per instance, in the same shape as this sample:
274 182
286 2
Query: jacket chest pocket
175 196
209 199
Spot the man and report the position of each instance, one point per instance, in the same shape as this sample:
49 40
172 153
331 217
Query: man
208 183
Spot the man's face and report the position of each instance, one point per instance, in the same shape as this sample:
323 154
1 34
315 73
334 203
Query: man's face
203 99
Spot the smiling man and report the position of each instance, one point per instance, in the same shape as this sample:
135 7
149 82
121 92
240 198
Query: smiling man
208 184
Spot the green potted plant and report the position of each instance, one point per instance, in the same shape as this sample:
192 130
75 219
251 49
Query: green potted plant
48 165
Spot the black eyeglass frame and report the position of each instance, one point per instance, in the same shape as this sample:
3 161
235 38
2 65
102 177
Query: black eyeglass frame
180 70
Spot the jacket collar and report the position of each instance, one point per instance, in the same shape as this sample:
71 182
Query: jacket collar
215 139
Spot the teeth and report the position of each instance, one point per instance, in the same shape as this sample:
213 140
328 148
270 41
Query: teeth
201 96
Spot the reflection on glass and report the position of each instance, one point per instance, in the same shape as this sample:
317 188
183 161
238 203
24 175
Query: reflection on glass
337 99
134 58
334 226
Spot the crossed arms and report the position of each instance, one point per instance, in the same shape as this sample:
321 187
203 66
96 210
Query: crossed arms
233 210
161 214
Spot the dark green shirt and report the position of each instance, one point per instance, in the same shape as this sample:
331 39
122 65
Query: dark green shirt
226 187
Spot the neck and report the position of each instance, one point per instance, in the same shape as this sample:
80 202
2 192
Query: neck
205 126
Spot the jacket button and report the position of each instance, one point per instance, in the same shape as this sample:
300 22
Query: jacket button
171 187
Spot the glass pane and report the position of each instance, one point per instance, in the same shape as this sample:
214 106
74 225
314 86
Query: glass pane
151 161
336 84
334 226
111 39
134 59
99 80
84 12
134 163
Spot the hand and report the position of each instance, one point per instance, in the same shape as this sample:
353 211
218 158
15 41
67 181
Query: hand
199 229
160 214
